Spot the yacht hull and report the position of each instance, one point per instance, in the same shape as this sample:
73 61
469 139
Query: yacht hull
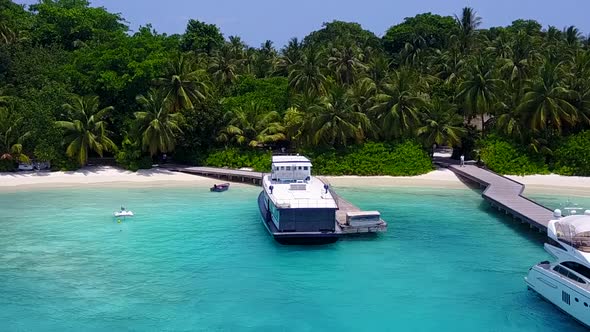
565 296
292 237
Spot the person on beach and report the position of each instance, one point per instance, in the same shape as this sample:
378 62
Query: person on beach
462 161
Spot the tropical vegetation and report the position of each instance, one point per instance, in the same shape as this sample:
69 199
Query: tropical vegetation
77 83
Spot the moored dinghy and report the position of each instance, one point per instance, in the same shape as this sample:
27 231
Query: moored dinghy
220 187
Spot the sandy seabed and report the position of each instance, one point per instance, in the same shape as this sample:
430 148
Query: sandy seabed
115 177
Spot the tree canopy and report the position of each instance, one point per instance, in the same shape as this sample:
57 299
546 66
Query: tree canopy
75 83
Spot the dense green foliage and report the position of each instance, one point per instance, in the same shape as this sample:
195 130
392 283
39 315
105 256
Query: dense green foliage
571 158
505 158
403 159
75 83
236 158
419 31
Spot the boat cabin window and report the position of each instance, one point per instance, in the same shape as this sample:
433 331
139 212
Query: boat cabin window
291 171
564 272
579 268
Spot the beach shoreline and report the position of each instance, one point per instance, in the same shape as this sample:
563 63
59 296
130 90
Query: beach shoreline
101 177
106 176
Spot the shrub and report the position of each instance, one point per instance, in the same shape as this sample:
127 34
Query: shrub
64 163
131 158
403 159
236 158
7 165
507 158
571 158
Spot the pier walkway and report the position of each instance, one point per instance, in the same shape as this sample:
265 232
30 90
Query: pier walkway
221 173
506 195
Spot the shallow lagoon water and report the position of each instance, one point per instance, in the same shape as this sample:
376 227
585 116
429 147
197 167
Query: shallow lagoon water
194 260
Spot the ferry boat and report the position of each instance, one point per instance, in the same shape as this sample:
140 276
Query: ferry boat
295 206
566 281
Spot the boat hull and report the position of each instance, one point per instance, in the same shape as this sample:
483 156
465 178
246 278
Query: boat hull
220 187
566 297
292 237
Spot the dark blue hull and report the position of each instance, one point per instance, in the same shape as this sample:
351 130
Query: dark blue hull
291 237
220 187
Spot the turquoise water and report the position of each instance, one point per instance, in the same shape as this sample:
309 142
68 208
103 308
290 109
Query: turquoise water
194 260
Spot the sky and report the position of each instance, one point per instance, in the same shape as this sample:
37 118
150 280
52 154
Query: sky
258 20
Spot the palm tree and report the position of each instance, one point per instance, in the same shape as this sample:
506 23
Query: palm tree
521 57
442 125
293 121
546 100
236 47
345 62
86 129
479 90
397 106
266 60
378 67
362 94
468 24
9 36
579 82
291 54
335 122
157 124
11 136
306 75
224 66
252 125
3 98
449 65
573 37
183 83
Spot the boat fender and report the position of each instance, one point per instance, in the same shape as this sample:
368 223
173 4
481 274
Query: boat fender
118 221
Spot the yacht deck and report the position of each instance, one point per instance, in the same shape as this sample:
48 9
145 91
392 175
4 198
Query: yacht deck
310 194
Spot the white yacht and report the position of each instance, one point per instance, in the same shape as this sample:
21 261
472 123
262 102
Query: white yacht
566 282
295 206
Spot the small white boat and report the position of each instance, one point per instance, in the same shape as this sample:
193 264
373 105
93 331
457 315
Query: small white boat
123 213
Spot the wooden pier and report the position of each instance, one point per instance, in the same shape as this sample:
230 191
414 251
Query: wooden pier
506 195
222 173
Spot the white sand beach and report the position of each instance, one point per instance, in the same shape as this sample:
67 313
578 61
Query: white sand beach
115 177
443 178
100 176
